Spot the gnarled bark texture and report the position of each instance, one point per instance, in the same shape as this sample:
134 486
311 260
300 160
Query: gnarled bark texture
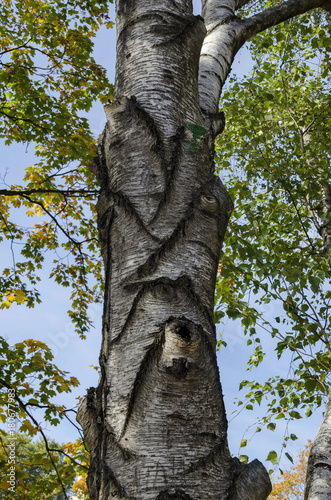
156 424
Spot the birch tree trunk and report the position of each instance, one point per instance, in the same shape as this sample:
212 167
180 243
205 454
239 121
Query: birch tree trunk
318 479
156 424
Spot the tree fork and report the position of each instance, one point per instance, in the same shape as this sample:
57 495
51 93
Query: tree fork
156 425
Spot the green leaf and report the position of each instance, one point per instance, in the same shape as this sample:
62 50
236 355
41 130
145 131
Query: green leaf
272 457
197 132
244 459
289 457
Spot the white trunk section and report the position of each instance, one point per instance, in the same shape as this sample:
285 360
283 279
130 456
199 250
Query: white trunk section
326 227
219 48
318 480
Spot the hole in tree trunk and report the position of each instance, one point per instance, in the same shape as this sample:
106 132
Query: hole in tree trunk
173 495
184 332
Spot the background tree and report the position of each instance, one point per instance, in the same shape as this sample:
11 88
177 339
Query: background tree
49 80
275 160
291 485
42 472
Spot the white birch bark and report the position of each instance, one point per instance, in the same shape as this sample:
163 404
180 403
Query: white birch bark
156 424
326 227
318 480
219 48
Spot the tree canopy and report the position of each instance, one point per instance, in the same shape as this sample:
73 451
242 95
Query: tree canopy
49 80
44 470
274 156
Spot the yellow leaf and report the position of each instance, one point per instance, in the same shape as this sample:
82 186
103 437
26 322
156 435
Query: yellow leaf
20 296
5 304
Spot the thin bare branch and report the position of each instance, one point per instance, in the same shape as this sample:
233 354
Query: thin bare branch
65 192
278 14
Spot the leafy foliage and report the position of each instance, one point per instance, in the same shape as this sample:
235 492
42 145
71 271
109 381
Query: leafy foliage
275 158
29 384
43 471
48 73
49 79
27 370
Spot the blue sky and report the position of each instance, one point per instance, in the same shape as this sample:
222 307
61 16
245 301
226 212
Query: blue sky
49 322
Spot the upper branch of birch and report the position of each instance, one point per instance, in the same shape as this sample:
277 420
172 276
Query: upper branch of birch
278 14
227 33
